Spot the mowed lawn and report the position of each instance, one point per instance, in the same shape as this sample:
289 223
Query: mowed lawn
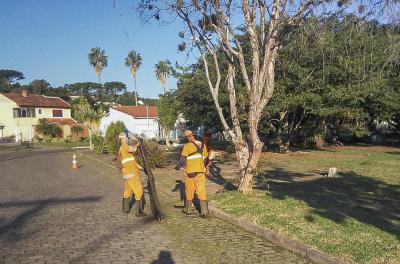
355 216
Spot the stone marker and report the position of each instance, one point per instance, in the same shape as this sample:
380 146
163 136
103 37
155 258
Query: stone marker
332 172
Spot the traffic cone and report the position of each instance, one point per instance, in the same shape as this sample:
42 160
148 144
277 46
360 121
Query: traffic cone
74 163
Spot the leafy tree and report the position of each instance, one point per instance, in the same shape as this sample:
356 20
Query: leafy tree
195 101
40 87
89 116
168 112
8 77
98 59
134 61
113 89
216 26
162 71
111 138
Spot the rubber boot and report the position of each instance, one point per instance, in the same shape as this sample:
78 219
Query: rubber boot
187 207
125 205
136 208
203 208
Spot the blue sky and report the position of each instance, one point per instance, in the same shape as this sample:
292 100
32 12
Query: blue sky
51 39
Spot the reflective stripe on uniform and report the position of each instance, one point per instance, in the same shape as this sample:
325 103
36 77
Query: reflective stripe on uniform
195 156
127 159
128 176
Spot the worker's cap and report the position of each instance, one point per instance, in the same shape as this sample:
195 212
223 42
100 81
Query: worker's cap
121 135
188 133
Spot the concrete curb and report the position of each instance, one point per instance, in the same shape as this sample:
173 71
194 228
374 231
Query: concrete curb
290 244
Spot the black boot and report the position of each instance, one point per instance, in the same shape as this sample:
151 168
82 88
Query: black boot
203 208
187 207
125 205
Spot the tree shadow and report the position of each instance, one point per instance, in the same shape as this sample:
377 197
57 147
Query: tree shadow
19 221
366 199
164 257
393 152
216 177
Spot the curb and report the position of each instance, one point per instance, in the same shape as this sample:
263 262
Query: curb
290 244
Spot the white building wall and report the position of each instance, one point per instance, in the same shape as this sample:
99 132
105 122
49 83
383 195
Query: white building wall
147 128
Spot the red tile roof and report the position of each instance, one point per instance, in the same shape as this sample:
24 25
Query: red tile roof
37 100
62 121
139 111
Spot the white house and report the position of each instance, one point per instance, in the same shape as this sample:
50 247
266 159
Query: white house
141 120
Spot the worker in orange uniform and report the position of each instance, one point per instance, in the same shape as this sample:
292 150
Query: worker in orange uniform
193 157
131 175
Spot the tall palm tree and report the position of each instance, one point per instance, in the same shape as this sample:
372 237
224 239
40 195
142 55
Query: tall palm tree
98 59
134 60
162 71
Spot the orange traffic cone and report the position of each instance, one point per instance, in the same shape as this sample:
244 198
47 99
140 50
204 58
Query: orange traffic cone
74 163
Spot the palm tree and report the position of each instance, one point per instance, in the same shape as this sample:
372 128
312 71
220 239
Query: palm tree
98 59
134 60
162 71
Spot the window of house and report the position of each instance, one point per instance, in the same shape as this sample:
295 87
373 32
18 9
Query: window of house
24 112
39 111
57 113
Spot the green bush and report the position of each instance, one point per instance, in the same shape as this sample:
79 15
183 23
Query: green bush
155 155
48 129
47 139
76 130
37 139
111 139
98 142
68 139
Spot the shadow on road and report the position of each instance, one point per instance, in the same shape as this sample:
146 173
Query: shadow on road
14 226
18 155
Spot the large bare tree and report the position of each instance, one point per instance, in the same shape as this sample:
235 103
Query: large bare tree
217 26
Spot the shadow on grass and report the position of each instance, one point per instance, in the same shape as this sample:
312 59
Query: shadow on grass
368 200
164 257
393 152
215 176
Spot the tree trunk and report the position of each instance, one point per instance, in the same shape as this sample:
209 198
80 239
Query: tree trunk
134 78
167 132
254 151
90 139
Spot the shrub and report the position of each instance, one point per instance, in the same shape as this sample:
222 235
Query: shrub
111 139
48 129
47 139
68 139
98 142
37 139
155 155
76 130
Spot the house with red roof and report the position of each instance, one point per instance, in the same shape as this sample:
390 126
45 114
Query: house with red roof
20 114
141 120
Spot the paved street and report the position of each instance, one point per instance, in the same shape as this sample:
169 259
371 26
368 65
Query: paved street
50 213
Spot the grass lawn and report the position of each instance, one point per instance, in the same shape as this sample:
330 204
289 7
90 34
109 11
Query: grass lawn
355 216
